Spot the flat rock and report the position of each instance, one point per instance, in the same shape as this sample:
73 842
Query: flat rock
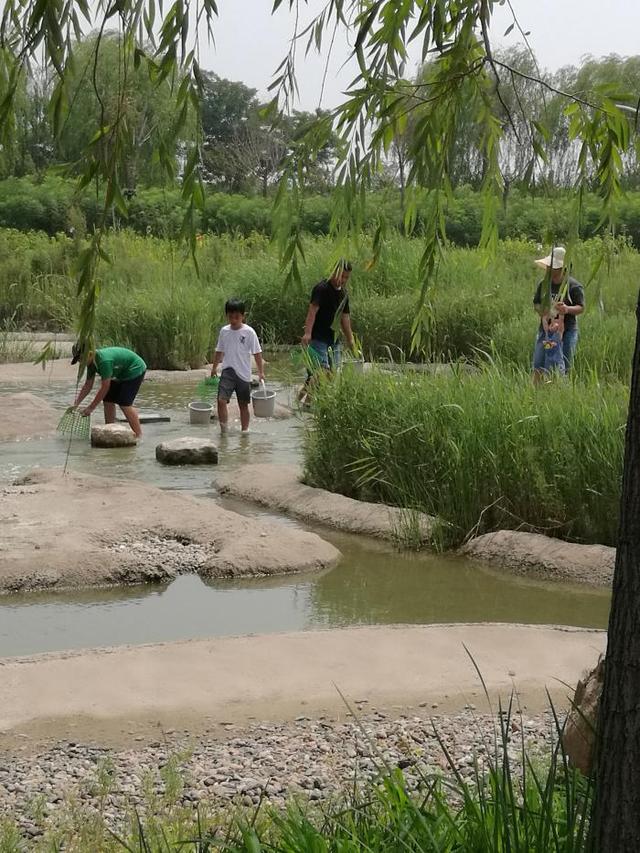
187 451
279 487
541 556
74 530
25 416
113 435
149 418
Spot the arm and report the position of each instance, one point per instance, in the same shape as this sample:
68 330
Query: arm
308 323
103 390
260 365
345 322
561 308
88 385
217 358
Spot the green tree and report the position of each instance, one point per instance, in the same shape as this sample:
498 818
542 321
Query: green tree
99 91
227 108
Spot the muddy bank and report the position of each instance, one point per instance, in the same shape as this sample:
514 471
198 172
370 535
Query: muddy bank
538 556
278 487
61 370
25 416
76 530
280 676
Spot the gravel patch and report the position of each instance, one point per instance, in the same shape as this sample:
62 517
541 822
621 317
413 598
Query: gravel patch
311 758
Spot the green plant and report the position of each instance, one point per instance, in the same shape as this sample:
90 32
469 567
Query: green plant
479 451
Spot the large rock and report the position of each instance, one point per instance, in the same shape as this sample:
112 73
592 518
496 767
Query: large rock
579 732
187 451
112 435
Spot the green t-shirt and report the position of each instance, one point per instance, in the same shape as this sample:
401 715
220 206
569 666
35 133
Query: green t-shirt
116 363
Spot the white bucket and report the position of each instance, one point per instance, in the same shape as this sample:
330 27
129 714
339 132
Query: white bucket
264 402
200 412
355 364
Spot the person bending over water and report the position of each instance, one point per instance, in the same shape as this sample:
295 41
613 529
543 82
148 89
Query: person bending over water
121 372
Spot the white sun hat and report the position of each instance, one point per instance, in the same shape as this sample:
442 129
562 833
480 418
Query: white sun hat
554 259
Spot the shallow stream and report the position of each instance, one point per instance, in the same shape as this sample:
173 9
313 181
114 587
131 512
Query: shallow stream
373 584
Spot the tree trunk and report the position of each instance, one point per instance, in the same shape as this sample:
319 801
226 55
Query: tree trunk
616 813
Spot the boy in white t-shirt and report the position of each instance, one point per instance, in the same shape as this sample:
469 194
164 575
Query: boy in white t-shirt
237 342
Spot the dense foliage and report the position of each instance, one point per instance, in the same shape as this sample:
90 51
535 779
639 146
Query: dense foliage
153 300
52 205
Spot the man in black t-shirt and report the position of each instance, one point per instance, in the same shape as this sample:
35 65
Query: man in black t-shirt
568 309
328 311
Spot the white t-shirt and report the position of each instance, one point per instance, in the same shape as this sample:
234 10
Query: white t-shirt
238 345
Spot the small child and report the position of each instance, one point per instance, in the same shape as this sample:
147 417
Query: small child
237 342
552 344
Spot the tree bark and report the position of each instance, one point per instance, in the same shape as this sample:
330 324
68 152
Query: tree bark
616 814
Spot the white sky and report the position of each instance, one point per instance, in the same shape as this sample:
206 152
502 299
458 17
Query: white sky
250 42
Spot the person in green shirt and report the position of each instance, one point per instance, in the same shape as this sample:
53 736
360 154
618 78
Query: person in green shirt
121 372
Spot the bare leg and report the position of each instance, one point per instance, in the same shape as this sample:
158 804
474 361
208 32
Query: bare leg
223 414
244 416
109 413
132 418
538 376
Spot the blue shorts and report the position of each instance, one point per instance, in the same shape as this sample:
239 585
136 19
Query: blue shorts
569 343
324 355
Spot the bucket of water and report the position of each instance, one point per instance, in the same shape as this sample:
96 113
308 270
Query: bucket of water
264 402
200 412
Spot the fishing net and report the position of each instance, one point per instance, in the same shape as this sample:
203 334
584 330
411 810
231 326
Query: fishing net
73 424
208 387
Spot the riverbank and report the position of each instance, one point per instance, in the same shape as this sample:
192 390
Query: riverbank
109 694
314 759
70 530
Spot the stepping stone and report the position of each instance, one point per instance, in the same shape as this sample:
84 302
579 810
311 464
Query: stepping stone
149 418
112 435
187 451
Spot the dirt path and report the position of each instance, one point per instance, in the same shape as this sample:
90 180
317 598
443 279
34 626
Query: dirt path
61 370
110 694
278 487
77 530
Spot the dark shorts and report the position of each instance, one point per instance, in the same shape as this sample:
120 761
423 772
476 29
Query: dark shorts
124 393
230 382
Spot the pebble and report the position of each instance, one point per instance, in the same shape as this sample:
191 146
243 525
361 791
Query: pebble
273 761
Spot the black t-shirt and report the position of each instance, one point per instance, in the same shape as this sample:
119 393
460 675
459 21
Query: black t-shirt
328 299
573 296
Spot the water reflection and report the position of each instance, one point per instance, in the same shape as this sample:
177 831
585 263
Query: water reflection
371 586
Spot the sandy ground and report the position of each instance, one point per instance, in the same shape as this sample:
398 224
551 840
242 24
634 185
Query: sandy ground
112 693
540 556
279 488
61 370
24 416
76 530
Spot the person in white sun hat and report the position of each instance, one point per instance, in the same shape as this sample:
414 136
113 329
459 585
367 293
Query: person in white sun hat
568 304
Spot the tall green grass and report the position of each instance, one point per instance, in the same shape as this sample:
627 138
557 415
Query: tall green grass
152 299
480 452
519 802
